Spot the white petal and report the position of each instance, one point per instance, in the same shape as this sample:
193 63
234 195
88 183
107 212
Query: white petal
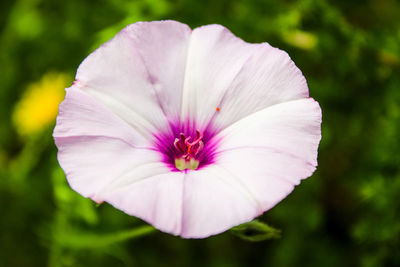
227 79
83 115
93 163
272 150
215 57
136 80
156 199
213 203
267 78
163 47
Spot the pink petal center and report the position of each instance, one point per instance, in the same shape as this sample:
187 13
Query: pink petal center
186 148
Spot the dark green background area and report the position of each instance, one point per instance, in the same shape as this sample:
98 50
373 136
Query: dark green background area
346 214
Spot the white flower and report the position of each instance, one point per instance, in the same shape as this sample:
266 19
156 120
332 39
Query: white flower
192 131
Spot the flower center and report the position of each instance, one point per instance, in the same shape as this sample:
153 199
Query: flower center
187 151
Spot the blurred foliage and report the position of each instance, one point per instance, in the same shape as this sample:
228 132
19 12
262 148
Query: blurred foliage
346 214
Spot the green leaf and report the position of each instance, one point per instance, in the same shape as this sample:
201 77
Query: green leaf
255 231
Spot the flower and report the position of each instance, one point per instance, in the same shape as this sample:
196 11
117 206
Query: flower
194 131
38 106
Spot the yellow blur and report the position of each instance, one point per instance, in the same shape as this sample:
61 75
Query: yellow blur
38 106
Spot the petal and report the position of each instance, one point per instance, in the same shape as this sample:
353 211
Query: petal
93 163
213 203
133 78
267 78
228 79
270 151
163 47
156 199
82 115
215 57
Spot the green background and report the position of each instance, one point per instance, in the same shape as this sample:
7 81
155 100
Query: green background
346 214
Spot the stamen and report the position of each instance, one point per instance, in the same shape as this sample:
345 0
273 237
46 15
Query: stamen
188 151
178 145
201 146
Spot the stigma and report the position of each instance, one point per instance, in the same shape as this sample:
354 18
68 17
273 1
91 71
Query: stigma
188 151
